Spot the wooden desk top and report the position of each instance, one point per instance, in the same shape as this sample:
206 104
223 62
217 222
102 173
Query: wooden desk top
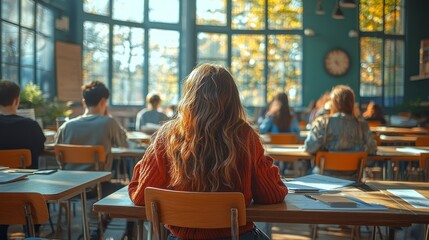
410 153
293 152
399 130
408 140
59 185
421 214
138 136
128 152
119 205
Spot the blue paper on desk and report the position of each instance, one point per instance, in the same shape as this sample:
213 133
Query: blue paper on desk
316 183
6 177
308 203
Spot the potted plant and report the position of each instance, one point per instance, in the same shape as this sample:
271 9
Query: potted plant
45 110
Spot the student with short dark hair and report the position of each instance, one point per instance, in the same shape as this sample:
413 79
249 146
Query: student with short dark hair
95 126
16 131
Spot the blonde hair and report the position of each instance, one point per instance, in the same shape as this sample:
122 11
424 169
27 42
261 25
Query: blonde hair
203 141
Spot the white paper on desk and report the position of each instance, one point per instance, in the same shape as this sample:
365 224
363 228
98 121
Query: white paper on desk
318 181
285 149
411 150
412 197
307 203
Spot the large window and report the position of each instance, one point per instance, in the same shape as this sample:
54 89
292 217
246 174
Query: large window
27 44
382 51
258 40
133 50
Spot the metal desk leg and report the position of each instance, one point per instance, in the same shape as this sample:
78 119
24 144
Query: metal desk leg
140 230
84 217
427 231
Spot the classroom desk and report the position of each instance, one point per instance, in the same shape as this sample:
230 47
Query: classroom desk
391 155
387 140
59 186
138 136
421 215
399 130
294 152
119 205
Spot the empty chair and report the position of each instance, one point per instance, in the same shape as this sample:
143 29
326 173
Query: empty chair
15 158
84 155
23 208
338 162
422 141
374 123
195 210
424 165
342 161
282 138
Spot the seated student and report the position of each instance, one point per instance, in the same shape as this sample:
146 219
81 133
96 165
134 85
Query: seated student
374 113
209 147
278 118
94 127
16 131
151 114
321 108
341 130
21 132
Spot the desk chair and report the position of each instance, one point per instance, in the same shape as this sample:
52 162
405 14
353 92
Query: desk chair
23 208
15 158
195 210
85 155
422 141
282 138
424 166
341 161
374 123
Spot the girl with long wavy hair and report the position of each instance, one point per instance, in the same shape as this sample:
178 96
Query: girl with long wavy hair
279 118
209 147
341 130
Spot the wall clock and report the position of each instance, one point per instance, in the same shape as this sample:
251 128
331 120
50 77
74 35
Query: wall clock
337 62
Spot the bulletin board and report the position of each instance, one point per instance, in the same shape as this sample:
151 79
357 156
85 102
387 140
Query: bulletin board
68 59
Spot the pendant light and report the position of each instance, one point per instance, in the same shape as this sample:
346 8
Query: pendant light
337 13
348 3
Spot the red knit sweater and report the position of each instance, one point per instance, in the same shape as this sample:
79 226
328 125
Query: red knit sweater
259 177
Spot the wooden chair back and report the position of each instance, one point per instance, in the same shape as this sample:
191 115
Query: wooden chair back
82 154
422 141
195 209
342 161
15 158
374 123
79 154
282 138
377 139
424 165
23 208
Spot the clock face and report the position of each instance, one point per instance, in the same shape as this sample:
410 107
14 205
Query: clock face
337 62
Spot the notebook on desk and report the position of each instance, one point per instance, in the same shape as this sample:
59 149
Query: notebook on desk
6 177
333 200
316 183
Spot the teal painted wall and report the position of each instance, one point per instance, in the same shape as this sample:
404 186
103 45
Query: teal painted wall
329 33
418 29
